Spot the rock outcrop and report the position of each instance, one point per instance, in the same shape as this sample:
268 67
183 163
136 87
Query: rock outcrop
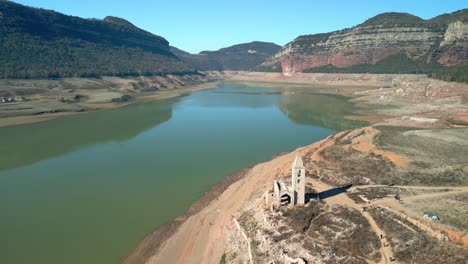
456 39
441 40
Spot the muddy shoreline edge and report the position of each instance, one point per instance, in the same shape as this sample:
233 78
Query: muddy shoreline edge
150 245
83 108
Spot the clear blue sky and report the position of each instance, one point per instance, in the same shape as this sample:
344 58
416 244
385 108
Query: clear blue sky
196 25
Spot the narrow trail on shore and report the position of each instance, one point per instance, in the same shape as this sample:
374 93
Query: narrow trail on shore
343 200
455 236
430 227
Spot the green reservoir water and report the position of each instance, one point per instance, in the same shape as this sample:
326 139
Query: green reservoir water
87 188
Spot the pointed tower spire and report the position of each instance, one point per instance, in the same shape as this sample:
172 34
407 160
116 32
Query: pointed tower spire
298 164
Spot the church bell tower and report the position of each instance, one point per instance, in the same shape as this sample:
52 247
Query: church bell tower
298 181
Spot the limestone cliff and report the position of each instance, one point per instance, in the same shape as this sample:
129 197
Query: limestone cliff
442 39
456 43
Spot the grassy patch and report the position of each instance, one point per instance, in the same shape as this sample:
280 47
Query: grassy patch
411 245
346 165
299 218
346 233
223 259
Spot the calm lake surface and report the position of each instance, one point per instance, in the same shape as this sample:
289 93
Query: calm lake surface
87 188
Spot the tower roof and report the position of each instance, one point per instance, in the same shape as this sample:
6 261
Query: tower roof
298 164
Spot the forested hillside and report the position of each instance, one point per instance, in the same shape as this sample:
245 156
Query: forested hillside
38 43
240 57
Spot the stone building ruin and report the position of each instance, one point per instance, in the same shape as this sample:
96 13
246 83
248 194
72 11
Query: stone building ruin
285 192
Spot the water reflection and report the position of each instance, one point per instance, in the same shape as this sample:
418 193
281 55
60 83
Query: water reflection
320 110
27 144
299 105
233 95
115 193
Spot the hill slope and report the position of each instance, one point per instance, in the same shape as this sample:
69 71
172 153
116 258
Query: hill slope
42 43
238 57
421 45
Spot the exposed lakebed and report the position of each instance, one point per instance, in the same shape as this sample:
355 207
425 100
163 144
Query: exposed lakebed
86 188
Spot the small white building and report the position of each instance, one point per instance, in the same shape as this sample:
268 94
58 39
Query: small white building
285 193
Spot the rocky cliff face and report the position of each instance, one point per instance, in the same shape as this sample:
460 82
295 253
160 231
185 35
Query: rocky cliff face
454 46
442 40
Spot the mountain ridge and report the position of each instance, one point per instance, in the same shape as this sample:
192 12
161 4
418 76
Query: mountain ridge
430 44
244 56
39 43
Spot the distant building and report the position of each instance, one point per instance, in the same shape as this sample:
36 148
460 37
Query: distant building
285 193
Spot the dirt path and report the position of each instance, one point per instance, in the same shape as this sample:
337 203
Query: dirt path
464 188
344 200
365 143
434 195
431 228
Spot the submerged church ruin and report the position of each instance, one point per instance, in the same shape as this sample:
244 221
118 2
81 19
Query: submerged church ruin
285 192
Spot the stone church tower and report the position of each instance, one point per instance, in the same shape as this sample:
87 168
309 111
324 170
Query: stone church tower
298 181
